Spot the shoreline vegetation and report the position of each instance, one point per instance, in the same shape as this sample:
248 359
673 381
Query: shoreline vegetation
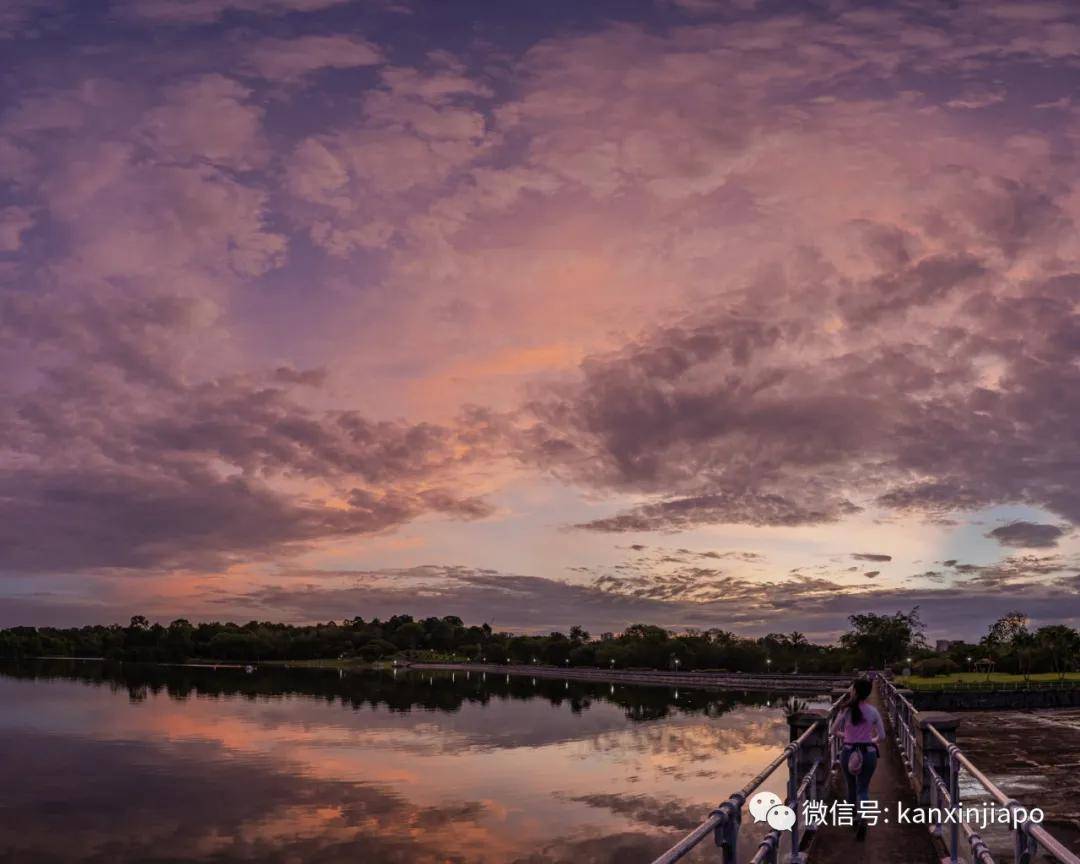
1010 651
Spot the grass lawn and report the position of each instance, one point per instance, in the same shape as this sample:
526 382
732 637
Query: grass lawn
916 682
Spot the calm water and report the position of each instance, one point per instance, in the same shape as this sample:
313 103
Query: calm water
154 764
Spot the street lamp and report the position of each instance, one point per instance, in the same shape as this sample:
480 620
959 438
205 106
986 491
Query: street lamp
612 662
677 662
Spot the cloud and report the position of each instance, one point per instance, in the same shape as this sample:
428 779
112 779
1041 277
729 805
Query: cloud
206 11
1031 535
870 556
980 97
146 190
118 461
23 18
291 59
210 118
657 265
358 186
1017 572
747 605
14 222
719 409
872 574
744 508
111 519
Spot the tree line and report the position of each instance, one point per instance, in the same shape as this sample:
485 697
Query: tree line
872 641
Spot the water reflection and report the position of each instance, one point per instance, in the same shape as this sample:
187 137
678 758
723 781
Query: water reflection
144 763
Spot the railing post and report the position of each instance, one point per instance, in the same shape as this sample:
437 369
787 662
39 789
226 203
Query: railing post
793 796
726 834
954 800
812 755
903 718
930 752
935 802
1025 848
816 747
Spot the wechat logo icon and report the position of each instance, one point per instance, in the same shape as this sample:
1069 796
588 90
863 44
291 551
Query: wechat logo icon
767 807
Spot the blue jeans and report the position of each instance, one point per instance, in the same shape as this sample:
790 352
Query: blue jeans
859 784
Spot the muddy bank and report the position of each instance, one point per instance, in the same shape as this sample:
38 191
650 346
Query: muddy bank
1034 756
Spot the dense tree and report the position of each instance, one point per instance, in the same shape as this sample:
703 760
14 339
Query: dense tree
1060 646
1007 629
874 641
878 640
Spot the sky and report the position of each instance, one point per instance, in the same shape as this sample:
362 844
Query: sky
703 313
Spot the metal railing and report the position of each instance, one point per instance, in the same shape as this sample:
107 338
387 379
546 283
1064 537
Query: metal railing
1028 837
723 823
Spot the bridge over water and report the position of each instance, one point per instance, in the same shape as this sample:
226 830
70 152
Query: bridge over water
920 769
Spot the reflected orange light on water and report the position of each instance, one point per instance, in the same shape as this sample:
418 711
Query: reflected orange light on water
509 776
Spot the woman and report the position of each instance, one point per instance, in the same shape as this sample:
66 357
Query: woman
860 727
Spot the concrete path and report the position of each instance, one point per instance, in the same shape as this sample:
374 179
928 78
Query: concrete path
886 842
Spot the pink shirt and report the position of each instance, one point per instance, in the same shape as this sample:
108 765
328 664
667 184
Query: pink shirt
860 733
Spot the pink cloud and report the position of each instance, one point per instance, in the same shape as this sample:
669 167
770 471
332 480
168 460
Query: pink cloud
745 269
14 222
291 59
208 118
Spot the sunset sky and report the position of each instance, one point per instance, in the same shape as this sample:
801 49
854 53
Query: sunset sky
705 313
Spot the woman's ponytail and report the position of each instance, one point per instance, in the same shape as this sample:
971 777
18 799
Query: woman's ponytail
860 690
855 710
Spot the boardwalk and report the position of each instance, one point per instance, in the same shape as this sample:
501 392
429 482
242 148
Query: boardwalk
885 843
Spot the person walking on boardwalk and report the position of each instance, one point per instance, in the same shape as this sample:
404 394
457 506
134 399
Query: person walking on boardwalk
859 725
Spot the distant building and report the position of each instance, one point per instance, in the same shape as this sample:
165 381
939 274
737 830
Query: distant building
944 645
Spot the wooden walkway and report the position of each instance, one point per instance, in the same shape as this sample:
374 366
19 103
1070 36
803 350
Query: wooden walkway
887 842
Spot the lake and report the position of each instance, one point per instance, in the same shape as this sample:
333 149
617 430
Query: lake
109 763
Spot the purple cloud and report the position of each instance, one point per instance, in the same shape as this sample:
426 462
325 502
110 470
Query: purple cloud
1030 535
310 278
